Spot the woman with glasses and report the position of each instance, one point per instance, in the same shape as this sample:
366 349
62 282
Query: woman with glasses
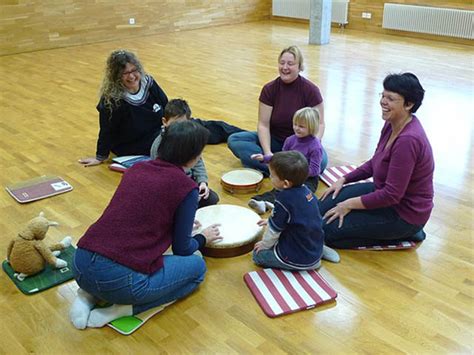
130 109
397 205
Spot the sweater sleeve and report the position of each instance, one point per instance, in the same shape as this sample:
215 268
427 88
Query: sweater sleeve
313 95
199 172
104 140
403 158
159 94
286 144
155 146
270 237
280 217
183 241
314 158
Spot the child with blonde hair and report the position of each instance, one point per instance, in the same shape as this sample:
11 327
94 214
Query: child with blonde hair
306 127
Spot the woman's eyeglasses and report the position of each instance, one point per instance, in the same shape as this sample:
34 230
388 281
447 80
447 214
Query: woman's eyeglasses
127 73
389 98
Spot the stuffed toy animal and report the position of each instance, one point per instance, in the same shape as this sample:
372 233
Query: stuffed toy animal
28 254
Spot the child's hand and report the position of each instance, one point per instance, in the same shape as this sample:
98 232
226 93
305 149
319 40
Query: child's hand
262 222
258 157
203 191
258 246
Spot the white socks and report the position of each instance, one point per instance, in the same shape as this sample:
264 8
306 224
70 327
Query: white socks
330 254
81 308
82 315
101 316
260 206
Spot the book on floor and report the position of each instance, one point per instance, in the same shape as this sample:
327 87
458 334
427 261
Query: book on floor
38 188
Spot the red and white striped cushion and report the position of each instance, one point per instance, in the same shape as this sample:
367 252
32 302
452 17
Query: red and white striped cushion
399 246
281 292
332 174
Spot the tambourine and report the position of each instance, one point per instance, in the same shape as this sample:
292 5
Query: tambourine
238 227
242 181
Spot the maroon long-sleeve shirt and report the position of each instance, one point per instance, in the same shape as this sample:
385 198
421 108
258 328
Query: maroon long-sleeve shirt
403 174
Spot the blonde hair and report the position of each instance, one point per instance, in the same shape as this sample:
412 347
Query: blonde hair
112 89
308 116
296 53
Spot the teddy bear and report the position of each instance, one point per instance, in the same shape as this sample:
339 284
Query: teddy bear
28 253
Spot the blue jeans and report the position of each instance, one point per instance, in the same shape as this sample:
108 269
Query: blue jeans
366 227
267 258
118 284
244 144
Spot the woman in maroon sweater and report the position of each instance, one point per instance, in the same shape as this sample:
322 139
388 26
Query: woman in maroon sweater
397 205
120 259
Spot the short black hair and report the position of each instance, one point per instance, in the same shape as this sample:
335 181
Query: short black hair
182 141
406 85
177 107
290 165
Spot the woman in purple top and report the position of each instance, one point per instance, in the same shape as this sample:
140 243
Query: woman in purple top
279 100
397 205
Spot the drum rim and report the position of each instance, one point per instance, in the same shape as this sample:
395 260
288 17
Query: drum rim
258 173
241 244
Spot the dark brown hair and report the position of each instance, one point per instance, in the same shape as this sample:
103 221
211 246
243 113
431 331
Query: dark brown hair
290 165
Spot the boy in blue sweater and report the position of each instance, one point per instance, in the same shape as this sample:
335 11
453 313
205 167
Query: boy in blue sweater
294 238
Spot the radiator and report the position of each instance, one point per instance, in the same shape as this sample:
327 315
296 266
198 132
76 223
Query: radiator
301 9
431 20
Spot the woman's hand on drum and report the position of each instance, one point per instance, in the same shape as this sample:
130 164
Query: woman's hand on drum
196 225
203 191
262 222
334 189
258 157
337 212
212 233
89 161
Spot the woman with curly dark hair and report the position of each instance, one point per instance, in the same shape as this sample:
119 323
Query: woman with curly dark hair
130 109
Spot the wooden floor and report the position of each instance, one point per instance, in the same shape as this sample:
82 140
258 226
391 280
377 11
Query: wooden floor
417 301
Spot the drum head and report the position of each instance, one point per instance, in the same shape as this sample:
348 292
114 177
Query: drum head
242 180
238 228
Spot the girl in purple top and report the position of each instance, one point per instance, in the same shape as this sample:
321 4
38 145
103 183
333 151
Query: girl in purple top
278 102
306 123
397 205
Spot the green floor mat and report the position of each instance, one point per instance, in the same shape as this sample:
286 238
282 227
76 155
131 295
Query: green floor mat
47 278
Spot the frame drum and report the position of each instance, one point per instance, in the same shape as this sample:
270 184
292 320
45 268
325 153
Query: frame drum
238 227
242 181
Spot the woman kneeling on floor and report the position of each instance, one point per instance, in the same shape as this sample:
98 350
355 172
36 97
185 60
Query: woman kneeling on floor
120 258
